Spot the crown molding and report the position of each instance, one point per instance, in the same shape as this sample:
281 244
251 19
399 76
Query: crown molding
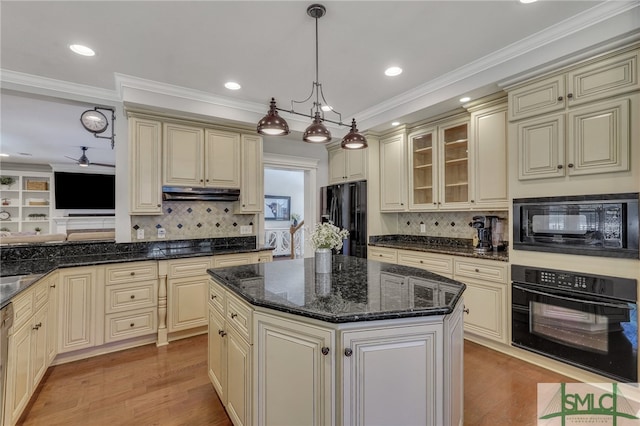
554 33
44 85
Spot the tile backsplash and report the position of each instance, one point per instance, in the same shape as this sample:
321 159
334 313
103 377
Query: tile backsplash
443 224
192 219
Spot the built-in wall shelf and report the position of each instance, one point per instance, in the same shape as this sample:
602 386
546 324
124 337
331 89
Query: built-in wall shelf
26 203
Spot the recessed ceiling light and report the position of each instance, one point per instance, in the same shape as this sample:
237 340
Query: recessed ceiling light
232 85
465 99
528 1
3 154
82 50
326 108
393 71
395 123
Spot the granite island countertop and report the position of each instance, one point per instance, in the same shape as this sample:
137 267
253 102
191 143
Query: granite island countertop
26 264
356 289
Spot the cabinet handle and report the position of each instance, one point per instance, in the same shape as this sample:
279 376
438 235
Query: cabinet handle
132 325
222 333
133 296
473 201
465 310
37 326
325 350
559 166
560 98
570 165
52 286
348 352
233 315
570 96
213 296
133 273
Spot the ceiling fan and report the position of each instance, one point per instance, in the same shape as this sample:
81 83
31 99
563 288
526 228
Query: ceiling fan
83 161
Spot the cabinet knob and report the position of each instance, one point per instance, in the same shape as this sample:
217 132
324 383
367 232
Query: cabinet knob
473 201
233 315
201 180
133 273
213 296
243 205
132 325
560 98
133 296
570 165
569 95
477 270
325 350
348 352
559 166
52 286
159 205
222 333
465 310
422 261
435 204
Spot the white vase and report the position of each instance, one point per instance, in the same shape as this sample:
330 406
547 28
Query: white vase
323 261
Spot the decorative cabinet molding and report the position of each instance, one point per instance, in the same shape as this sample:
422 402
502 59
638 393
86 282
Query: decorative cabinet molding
252 175
347 165
183 155
222 154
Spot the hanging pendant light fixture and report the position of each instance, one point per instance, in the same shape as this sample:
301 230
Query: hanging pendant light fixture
273 125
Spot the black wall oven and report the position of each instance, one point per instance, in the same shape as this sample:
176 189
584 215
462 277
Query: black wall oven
592 225
589 321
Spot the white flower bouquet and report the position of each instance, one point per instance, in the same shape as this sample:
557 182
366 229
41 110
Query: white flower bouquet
328 236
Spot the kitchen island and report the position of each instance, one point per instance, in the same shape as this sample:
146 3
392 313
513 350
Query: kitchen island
368 343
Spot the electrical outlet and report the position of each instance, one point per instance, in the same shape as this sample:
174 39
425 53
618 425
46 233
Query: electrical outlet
423 228
246 229
140 234
162 233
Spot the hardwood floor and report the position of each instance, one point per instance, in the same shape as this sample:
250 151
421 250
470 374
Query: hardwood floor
169 386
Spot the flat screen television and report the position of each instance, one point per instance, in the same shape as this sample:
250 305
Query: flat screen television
83 191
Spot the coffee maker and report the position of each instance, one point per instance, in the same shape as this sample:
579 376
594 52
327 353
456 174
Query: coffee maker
490 233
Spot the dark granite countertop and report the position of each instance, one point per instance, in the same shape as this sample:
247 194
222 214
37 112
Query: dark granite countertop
452 246
356 289
39 260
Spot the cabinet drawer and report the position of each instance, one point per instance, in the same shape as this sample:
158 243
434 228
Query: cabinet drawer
489 271
124 297
383 255
217 297
130 324
22 308
189 268
238 314
40 294
537 98
440 264
139 271
233 260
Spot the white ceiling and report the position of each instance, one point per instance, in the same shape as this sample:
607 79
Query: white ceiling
446 48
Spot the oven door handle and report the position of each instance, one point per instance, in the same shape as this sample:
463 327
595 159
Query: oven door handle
571 299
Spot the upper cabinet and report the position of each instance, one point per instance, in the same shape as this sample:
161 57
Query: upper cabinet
423 175
393 180
454 163
252 177
347 165
577 122
200 157
145 164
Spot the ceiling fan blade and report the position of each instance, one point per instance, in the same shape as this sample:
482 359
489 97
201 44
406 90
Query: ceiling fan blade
102 164
74 159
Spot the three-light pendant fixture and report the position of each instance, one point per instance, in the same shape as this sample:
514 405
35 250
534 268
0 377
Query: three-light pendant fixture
274 125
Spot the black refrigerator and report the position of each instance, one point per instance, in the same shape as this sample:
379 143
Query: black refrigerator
345 205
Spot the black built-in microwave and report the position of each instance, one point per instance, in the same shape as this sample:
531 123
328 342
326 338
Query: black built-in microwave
593 225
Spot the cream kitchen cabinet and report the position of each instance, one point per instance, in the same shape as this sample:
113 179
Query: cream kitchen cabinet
454 164
52 331
485 297
393 179
295 368
187 291
440 264
194 156
488 154
237 259
81 310
145 164
28 348
423 169
347 165
383 254
252 176
414 365
230 353
588 81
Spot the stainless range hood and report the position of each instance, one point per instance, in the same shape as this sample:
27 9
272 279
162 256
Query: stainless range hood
185 193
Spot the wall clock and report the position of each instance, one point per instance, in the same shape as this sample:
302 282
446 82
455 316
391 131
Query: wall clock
94 121
4 215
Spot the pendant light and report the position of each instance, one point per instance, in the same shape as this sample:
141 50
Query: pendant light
274 125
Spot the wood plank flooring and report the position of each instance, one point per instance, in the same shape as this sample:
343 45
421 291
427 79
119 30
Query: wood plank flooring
169 386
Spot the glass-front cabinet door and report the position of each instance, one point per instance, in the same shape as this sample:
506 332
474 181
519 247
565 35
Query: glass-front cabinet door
454 173
423 176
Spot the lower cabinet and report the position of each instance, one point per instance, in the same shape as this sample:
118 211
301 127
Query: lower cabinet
295 371
28 349
188 306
